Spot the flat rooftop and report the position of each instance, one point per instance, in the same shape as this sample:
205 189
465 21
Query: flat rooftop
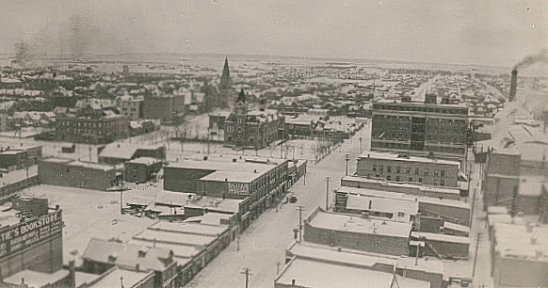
190 228
406 158
364 259
231 176
223 164
441 237
398 195
174 238
179 250
315 274
383 183
145 160
113 279
357 224
522 241
37 279
363 202
531 185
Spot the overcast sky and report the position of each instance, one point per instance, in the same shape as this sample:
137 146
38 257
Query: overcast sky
496 33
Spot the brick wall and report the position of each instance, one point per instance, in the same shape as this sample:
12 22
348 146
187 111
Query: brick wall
360 241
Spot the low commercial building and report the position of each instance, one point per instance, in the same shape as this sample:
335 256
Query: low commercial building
117 153
408 169
424 269
307 273
116 277
442 246
13 158
356 232
141 169
402 210
449 210
102 255
194 245
406 188
519 255
71 173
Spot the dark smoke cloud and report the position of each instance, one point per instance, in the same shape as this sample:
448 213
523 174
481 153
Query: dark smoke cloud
542 56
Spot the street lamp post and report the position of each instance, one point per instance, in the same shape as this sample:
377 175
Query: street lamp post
327 194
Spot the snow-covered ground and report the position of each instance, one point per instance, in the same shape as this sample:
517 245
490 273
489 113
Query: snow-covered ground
91 214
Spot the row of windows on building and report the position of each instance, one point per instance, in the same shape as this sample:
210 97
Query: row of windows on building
87 124
398 169
398 178
463 111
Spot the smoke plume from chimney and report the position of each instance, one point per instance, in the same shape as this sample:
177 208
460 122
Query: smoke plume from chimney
542 56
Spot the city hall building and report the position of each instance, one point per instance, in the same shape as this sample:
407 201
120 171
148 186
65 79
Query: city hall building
420 128
253 129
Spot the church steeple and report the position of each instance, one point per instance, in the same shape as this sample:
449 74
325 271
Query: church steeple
225 77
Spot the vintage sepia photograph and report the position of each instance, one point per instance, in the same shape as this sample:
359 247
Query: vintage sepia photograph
273 144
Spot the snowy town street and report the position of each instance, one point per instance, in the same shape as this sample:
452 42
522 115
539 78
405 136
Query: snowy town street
262 246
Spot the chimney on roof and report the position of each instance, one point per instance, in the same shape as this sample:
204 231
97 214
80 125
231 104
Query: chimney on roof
292 282
430 98
513 85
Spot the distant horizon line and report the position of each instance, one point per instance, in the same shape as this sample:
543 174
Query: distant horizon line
84 56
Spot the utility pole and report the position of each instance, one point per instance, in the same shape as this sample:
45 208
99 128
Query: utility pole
473 203
476 254
90 152
327 194
347 158
247 274
301 208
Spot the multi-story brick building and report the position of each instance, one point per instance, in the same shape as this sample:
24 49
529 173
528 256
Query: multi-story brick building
220 177
408 169
252 129
131 107
420 128
168 108
98 127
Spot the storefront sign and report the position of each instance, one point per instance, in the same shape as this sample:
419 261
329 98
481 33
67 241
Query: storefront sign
238 188
20 236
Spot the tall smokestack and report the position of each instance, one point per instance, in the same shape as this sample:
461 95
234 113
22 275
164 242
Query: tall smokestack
513 85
